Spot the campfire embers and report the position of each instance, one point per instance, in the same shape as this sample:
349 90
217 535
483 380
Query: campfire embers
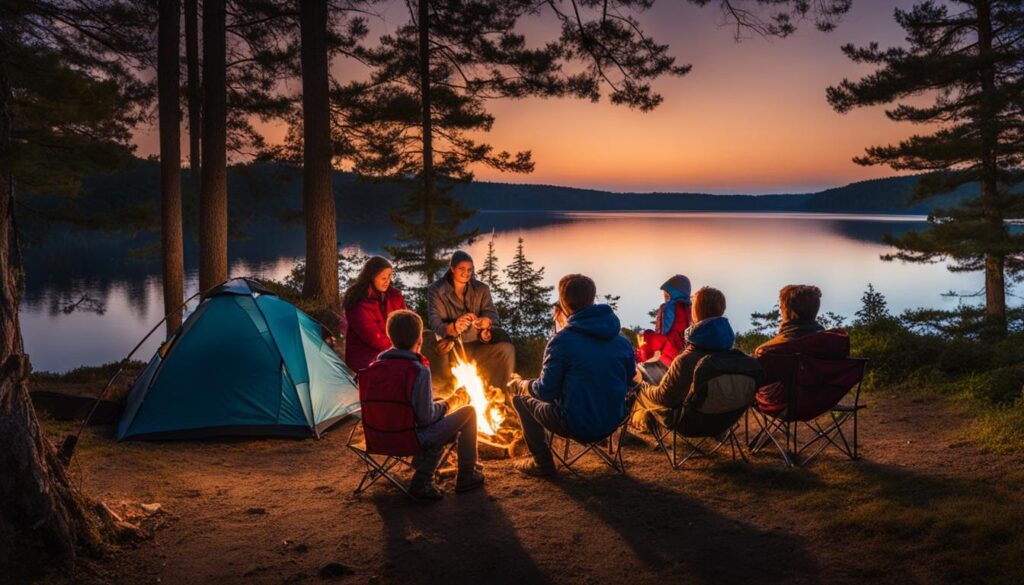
498 432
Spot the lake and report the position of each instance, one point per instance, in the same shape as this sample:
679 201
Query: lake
90 297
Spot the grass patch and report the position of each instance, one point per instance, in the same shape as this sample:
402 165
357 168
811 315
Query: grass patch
996 430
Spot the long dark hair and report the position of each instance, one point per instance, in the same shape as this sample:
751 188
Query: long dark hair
357 290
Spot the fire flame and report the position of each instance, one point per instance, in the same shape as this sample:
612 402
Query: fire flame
488 417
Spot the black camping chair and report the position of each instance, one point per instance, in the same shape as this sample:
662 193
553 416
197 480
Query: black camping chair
387 465
711 412
806 391
607 449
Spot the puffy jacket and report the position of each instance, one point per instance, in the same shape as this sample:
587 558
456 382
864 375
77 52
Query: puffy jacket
672 342
703 338
365 331
588 370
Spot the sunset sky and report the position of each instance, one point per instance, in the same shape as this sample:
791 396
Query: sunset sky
751 117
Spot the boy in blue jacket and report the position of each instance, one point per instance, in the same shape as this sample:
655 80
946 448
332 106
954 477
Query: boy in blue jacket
588 370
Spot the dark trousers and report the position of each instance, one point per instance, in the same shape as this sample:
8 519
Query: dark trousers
461 422
536 417
495 360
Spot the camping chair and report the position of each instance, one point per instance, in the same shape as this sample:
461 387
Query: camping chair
805 391
608 449
381 461
723 388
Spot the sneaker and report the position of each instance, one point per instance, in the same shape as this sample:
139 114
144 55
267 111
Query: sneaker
426 491
465 484
529 466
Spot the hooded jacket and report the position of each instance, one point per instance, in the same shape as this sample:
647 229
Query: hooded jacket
670 324
588 370
703 338
366 327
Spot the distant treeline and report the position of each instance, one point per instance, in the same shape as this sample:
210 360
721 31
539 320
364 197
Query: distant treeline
129 197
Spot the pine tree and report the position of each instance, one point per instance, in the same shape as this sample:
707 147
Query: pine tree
68 98
172 253
528 301
874 308
490 274
968 56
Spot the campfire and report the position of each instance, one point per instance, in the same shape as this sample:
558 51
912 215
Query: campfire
497 426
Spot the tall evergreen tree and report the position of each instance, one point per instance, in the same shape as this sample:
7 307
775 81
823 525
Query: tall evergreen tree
172 252
968 56
490 274
528 301
432 79
213 194
321 277
68 98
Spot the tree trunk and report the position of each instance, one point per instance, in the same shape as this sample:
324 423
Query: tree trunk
321 279
995 281
168 87
213 196
194 93
38 501
429 252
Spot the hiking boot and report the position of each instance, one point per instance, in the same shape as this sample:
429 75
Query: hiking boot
469 481
531 467
425 491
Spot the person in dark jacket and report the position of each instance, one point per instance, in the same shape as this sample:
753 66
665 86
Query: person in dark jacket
588 369
367 303
658 347
460 307
709 333
799 330
435 426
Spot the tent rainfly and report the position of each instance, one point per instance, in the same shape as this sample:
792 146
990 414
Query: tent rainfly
244 363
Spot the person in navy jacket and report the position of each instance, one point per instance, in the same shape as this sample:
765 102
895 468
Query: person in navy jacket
588 369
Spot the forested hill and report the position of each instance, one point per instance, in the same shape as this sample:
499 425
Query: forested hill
271 191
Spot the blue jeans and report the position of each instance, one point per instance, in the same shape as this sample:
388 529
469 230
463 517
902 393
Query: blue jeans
536 417
461 422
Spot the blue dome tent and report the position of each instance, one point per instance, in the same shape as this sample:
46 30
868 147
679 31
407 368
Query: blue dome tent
244 363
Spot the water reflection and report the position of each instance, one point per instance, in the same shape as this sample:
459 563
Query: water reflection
749 256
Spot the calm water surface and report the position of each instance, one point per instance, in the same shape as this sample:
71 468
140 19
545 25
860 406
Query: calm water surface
748 256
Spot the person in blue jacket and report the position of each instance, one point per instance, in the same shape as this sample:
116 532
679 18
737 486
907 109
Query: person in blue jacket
589 367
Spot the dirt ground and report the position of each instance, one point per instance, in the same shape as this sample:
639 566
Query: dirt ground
278 511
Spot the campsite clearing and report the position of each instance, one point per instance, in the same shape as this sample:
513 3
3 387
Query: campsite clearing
922 507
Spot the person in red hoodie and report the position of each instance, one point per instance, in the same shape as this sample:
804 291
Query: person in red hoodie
659 347
367 302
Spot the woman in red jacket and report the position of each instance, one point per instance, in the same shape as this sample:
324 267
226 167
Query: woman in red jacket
660 346
368 302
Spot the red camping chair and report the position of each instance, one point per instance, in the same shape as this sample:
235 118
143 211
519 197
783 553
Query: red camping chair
802 390
389 429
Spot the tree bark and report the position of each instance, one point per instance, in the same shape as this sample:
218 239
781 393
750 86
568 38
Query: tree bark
168 88
429 251
194 93
321 278
213 196
38 501
995 263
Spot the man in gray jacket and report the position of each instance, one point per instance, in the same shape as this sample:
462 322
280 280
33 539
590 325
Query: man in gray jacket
460 306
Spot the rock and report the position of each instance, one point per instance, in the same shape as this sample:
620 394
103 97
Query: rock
257 511
151 508
300 548
335 570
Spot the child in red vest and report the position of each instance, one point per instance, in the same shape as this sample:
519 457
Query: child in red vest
404 366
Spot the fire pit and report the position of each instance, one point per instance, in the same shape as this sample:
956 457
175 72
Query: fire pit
498 433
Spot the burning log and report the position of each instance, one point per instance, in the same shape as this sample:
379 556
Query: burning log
498 433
